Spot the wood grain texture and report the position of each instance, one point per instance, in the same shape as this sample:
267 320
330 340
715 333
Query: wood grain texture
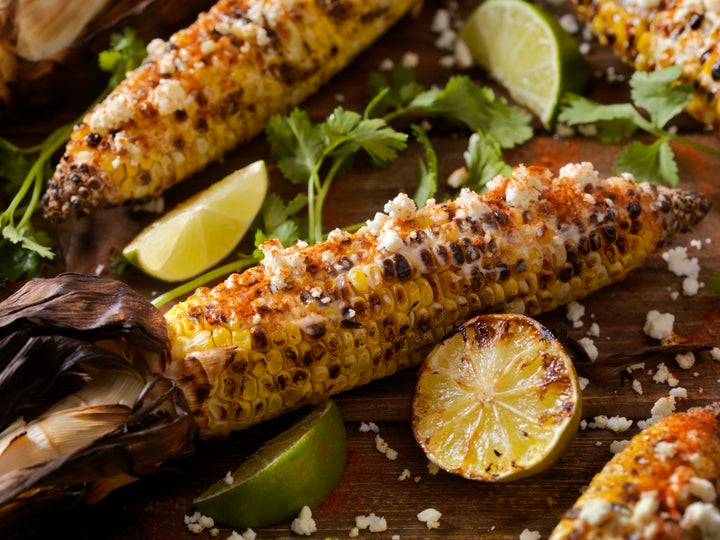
154 507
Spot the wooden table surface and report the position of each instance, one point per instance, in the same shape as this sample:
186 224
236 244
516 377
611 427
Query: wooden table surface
153 508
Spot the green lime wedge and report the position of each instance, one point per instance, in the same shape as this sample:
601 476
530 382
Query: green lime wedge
299 467
526 50
203 230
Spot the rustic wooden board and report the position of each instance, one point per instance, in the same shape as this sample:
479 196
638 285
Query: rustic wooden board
154 507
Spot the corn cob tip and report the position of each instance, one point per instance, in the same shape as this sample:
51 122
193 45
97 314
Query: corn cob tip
76 190
683 209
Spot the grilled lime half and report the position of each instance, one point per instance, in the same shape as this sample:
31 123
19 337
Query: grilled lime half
497 400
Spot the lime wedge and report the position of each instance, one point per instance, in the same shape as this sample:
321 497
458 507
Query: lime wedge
203 230
299 467
526 50
497 400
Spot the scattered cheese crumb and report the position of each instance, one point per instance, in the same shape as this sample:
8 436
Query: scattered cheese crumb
410 59
594 330
304 524
228 478
663 375
590 348
365 427
583 382
575 311
527 534
430 517
715 354
659 325
637 386
433 468
384 448
617 424
371 522
249 534
594 511
404 475
618 446
685 360
197 523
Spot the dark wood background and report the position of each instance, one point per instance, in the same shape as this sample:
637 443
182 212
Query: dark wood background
154 507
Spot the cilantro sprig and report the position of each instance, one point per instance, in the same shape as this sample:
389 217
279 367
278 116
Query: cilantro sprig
314 154
23 250
657 98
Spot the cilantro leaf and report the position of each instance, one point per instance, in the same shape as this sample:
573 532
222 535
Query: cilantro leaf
125 53
614 122
427 174
295 143
648 163
373 135
384 97
655 92
483 161
478 108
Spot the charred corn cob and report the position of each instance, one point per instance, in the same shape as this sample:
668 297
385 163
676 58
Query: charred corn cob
311 321
205 90
662 485
658 34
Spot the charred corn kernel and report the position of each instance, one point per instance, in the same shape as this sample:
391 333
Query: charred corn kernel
661 485
208 88
658 34
456 258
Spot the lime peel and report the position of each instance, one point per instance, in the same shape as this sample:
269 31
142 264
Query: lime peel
298 468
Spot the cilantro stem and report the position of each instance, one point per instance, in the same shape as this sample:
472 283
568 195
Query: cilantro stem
650 128
243 262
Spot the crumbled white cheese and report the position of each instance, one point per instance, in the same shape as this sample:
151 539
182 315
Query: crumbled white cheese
197 523
383 447
463 55
645 508
678 393
618 424
679 263
249 534
583 382
715 354
575 311
524 188
365 427
663 375
228 478
440 21
430 517
705 516
433 468
584 173
663 407
371 522
404 475
665 450
618 446
304 524
594 511
702 488
527 534
410 59
685 360
659 325
589 346
401 208
637 386
170 96
594 330
390 240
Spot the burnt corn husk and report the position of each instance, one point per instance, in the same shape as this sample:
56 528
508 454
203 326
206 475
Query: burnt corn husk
58 336
312 321
205 90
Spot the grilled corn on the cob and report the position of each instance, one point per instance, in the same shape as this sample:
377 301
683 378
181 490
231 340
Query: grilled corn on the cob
662 485
311 321
660 33
208 88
